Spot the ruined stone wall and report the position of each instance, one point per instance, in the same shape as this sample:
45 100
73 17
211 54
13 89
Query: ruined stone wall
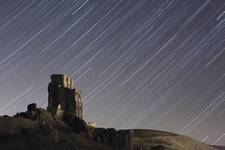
62 92
128 139
118 140
79 104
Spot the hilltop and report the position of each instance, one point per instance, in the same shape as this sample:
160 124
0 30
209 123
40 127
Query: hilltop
38 129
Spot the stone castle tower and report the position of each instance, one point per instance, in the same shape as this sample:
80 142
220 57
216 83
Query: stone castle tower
63 99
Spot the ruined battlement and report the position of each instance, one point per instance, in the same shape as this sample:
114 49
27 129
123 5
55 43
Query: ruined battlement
64 100
62 80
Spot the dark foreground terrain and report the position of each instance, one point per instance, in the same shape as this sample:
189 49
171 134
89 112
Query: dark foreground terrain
45 133
38 129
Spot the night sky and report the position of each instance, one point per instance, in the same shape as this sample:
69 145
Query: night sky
154 64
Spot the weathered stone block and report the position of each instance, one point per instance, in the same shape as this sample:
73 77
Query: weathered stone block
32 107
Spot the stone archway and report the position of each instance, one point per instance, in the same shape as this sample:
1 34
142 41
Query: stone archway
59 111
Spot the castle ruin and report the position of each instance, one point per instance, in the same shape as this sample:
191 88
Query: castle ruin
63 99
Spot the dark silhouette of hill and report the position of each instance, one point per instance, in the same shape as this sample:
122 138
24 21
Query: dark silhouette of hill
38 129
45 133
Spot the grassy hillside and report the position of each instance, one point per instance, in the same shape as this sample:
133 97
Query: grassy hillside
46 132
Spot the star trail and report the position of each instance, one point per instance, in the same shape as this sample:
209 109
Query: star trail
154 64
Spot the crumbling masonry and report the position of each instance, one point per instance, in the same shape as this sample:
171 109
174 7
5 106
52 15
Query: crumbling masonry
64 100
